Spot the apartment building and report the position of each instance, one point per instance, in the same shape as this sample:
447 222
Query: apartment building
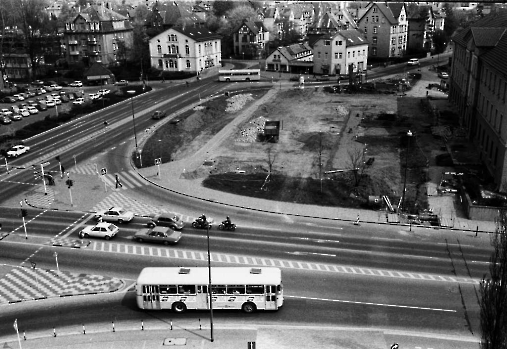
385 26
97 34
478 88
185 49
250 39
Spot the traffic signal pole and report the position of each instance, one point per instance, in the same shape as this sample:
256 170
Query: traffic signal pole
23 215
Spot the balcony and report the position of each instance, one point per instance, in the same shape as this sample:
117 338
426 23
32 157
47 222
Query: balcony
92 41
172 55
74 53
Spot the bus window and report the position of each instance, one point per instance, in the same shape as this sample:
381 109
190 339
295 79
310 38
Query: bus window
236 289
218 289
255 289
186 289
168 289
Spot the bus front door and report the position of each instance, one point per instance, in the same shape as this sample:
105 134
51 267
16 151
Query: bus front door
202 299
151 297
271 298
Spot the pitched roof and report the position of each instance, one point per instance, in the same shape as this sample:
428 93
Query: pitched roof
96 13
353 37
97 69
198 34
487 37
253 26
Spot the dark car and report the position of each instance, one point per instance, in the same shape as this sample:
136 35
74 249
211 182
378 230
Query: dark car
161 235
5 120
166 220
158 114
8 99
42 106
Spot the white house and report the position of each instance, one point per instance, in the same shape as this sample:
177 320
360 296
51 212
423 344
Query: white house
335 53
185 49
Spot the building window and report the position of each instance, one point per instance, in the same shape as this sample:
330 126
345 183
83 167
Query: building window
375 9
159 49
366 30
188 63
187 50
393 41
375 29
160 63
374 40
353 53
170 63
348 54
336 55
327 42
373 51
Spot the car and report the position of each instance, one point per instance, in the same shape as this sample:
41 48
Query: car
8 99
5 112
161 235
122 83
115 214
158 114
32 110
413 61
19 97
55 95
56 87
443 75
48 88
57 101
38 83
5 120
94 96
76 84
30 102
79 100
15 117
71 96
104 92
49 103
99 230
64 99
24 112
14 109
40 91
174 121
17 150
166 220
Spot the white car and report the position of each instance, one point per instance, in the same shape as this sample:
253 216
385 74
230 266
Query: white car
19 97
17 150
55 95
114 214
57 101
413 61
15 117
76 84
24 112
79 100
50 103
94 95
6 112
104 92
100 230
32 110
56 87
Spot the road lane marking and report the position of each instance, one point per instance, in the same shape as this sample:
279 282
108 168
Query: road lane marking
371 303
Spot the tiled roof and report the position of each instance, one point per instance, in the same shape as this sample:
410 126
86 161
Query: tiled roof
198 34
97 69
253 26
487 37
96 13
353 37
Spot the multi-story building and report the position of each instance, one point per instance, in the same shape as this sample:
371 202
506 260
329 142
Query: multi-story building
385 26
296 59
185 49
97 34
421 27
478 88
250 39
337 53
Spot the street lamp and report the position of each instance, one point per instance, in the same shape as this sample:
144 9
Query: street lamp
409 135
132 93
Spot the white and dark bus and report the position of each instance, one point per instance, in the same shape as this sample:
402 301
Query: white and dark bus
239 75
179 289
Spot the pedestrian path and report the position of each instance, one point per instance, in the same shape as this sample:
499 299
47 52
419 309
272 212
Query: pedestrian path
23 284
127 179
170 253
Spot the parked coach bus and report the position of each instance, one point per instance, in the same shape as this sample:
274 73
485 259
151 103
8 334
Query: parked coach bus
239 75
180 289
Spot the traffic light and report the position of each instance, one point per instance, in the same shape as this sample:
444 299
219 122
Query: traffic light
24 212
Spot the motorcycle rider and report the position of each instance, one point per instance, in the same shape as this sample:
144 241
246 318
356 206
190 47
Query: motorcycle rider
227 222
202 219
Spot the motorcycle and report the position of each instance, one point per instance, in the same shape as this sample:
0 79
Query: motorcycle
227 226
199 224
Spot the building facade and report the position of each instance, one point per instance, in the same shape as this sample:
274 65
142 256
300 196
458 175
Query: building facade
385 27
296 59
97 34
339 52
478 88
250 38
185 49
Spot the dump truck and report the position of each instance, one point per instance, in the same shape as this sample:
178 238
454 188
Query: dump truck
272 130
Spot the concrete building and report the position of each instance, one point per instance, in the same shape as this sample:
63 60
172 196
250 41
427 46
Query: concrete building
385 26
185 49
478 88
97 34
337 53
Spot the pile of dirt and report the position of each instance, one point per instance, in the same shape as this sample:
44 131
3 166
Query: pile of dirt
237 102
249 133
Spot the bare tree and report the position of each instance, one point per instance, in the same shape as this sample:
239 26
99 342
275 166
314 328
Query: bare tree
357 163
271 158
493 291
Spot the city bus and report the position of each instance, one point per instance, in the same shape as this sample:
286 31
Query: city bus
239 75
179 289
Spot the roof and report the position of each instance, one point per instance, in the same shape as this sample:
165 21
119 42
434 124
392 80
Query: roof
197 34
391 11
219 276
290 52
97 69
96 13
253 26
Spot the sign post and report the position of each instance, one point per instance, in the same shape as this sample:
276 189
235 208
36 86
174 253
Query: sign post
42 173
103 172
157 162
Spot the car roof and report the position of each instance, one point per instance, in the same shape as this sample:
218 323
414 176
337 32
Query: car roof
160 229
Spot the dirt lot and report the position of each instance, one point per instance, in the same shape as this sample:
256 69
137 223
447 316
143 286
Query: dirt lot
343 131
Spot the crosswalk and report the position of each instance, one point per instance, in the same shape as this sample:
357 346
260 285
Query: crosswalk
128 179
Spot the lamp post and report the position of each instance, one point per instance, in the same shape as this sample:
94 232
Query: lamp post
210 295
132 93
409 135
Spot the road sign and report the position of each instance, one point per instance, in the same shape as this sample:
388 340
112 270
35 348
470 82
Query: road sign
158 161
103 171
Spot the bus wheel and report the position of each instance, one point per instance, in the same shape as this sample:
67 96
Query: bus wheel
179 307
248 307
